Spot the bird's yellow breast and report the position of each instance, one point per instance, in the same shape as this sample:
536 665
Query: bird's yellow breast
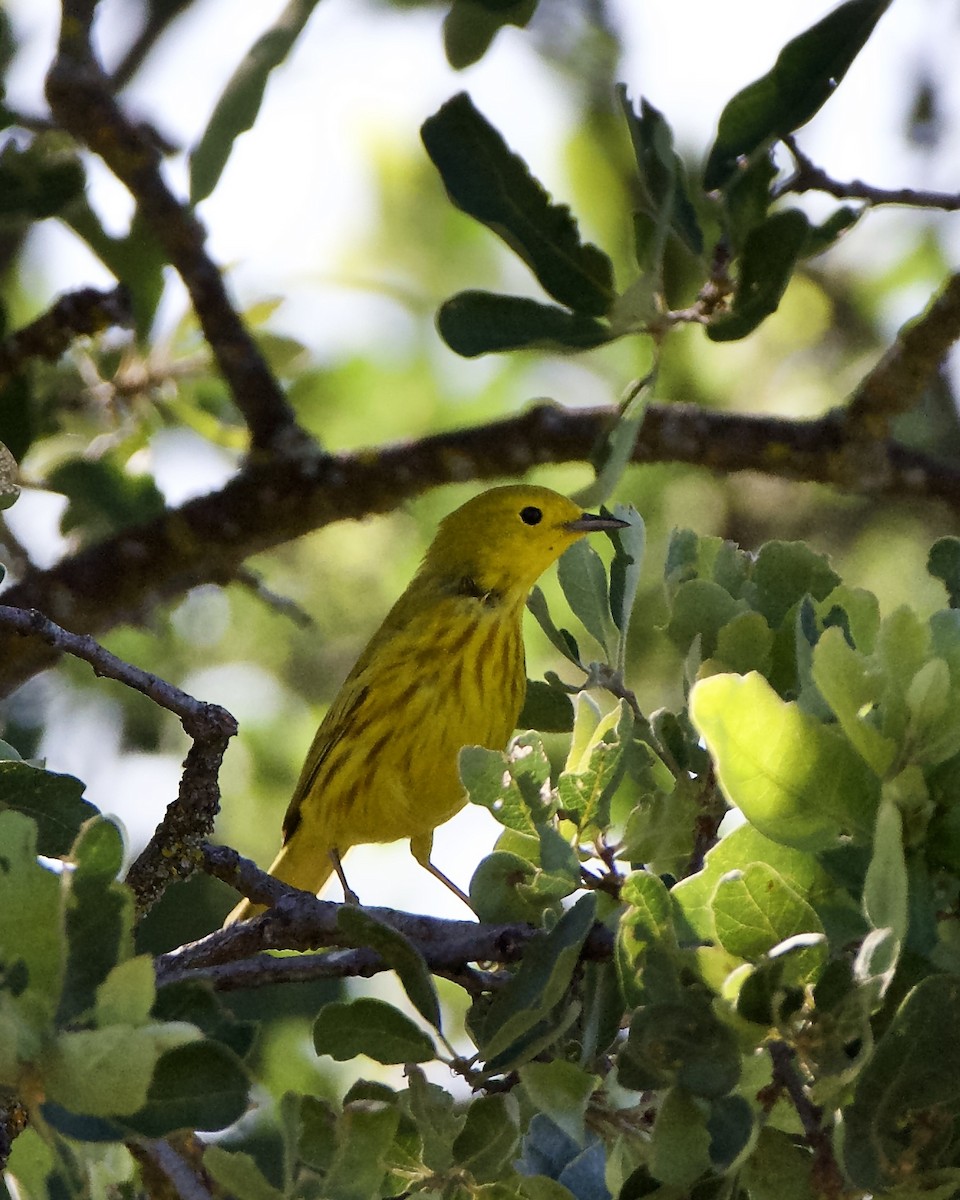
384 762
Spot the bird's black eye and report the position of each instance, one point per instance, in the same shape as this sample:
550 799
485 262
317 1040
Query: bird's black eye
531 515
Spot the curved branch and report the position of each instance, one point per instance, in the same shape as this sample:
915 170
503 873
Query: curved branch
81 98
272 501
174 850
808 177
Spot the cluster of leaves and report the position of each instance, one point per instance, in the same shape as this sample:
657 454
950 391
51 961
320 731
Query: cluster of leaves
87 1045
494 186
823 922
628 1053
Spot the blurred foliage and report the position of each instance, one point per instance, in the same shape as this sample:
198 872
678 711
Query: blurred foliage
817 698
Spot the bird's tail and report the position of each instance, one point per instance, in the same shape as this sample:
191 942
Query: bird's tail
299 864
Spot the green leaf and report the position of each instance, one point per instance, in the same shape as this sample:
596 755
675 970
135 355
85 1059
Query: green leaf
737 851
546 708
54 802
475 322
316 1132
540 981
799 782
680 1041
906 1106
364 1136
629 546
365 930
700 608
559 861
98 917
487 1144
502 890
821 237
584 582
755 910
943 563
509 784
97 853
104 497
778 1168
785 572
744 644
559 638
471 25
371 1027
585 794
886 890
853 688
492 185
767 260
30 929
38 180
438 1119
127 994
663 195
805 75
138 258
238 1174
562 1090
103 1072
747 198
730 1126
680 1152
202 1085
239 102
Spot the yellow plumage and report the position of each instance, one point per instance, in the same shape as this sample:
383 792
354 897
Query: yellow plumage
445 670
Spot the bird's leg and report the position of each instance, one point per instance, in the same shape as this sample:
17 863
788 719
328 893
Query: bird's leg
349 895
420 848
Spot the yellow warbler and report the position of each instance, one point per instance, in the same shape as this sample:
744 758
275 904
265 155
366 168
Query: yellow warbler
444 670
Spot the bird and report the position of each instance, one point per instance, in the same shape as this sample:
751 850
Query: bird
446 669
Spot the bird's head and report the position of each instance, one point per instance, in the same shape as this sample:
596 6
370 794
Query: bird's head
505 538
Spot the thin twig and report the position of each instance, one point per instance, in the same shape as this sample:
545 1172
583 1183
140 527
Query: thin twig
177 1176
82 100
174 850
80 313
283 605
809 177
828 1179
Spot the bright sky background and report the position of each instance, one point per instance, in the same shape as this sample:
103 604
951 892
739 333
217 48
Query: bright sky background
297 192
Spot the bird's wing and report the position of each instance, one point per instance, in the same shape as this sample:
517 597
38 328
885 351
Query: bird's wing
336 725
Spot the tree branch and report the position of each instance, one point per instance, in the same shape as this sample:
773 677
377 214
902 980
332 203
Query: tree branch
174 850
167 1173
272 501
83 312
81 98
233 958
808 177
827 1177
897 381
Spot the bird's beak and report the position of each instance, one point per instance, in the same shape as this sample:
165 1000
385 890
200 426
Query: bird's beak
591 522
